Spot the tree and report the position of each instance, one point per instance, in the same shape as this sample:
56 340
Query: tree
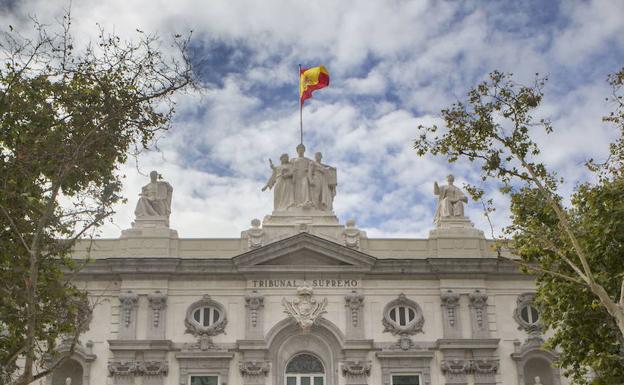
68 119
575 250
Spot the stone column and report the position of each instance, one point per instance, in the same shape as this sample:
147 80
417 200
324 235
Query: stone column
479 314
157 314
128 315
451 314
354 303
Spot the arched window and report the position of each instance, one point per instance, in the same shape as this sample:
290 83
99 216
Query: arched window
305 369
538 367
68 369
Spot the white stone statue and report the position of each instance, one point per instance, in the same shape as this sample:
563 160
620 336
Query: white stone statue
68 381
155 198
282 183
322 183
450 200
300 166
538 381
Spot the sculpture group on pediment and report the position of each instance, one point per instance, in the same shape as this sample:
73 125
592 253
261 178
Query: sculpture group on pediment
302 183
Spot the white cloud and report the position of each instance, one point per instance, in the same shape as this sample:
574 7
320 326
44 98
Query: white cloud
394 64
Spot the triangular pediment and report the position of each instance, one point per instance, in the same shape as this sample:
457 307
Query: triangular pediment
304 252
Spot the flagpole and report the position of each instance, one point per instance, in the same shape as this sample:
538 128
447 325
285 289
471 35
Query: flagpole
300 108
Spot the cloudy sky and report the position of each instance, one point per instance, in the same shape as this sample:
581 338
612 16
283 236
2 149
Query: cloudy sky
393 65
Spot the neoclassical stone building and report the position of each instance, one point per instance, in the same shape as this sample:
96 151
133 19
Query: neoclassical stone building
300 299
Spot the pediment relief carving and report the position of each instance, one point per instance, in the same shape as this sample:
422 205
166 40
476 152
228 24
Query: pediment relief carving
304 251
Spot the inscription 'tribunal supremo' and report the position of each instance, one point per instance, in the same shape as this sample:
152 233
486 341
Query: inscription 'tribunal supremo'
294 283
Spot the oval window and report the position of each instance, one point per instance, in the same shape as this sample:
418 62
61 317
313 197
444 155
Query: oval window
402 315
529 314
206 316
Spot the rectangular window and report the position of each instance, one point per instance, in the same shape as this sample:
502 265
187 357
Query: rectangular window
204 380
405 379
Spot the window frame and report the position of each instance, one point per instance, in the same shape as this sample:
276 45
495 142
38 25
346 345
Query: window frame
410 328
419 375
190 377
198 329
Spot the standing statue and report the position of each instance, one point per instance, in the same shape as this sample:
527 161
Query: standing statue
538 381
322 183
68 381
300 166
450 200
282 183
155 198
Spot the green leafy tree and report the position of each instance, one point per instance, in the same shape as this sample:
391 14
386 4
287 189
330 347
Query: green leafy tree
69 118
575 250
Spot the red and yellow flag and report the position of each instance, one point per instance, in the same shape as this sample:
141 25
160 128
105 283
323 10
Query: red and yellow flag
312 79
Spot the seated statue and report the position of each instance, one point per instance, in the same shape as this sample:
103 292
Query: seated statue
155 198
450 200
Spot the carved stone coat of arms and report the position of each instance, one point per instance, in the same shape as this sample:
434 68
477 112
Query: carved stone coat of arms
304 309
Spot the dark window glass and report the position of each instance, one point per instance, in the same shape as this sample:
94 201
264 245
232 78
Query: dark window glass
305 363
204 380
393 314
318 380
291 380
412 315
216 316
305 381
402 321
406 380
196 315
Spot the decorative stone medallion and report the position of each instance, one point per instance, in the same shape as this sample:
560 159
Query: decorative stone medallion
197 329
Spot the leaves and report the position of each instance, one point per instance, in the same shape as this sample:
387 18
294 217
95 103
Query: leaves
578 250
67 121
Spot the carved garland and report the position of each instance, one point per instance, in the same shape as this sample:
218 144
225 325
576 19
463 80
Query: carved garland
458 367
138 368
254 368
198 330
356 368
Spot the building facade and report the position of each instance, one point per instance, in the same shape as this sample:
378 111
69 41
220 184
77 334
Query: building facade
300 299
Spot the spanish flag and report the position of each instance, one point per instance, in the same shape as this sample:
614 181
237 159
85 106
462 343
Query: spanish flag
312 79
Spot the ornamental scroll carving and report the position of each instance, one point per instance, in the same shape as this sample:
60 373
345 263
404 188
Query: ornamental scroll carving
128 301
138 368
254 302
459 367
254 368
450 301
354 301
157 302
478 305
304 309
356 368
